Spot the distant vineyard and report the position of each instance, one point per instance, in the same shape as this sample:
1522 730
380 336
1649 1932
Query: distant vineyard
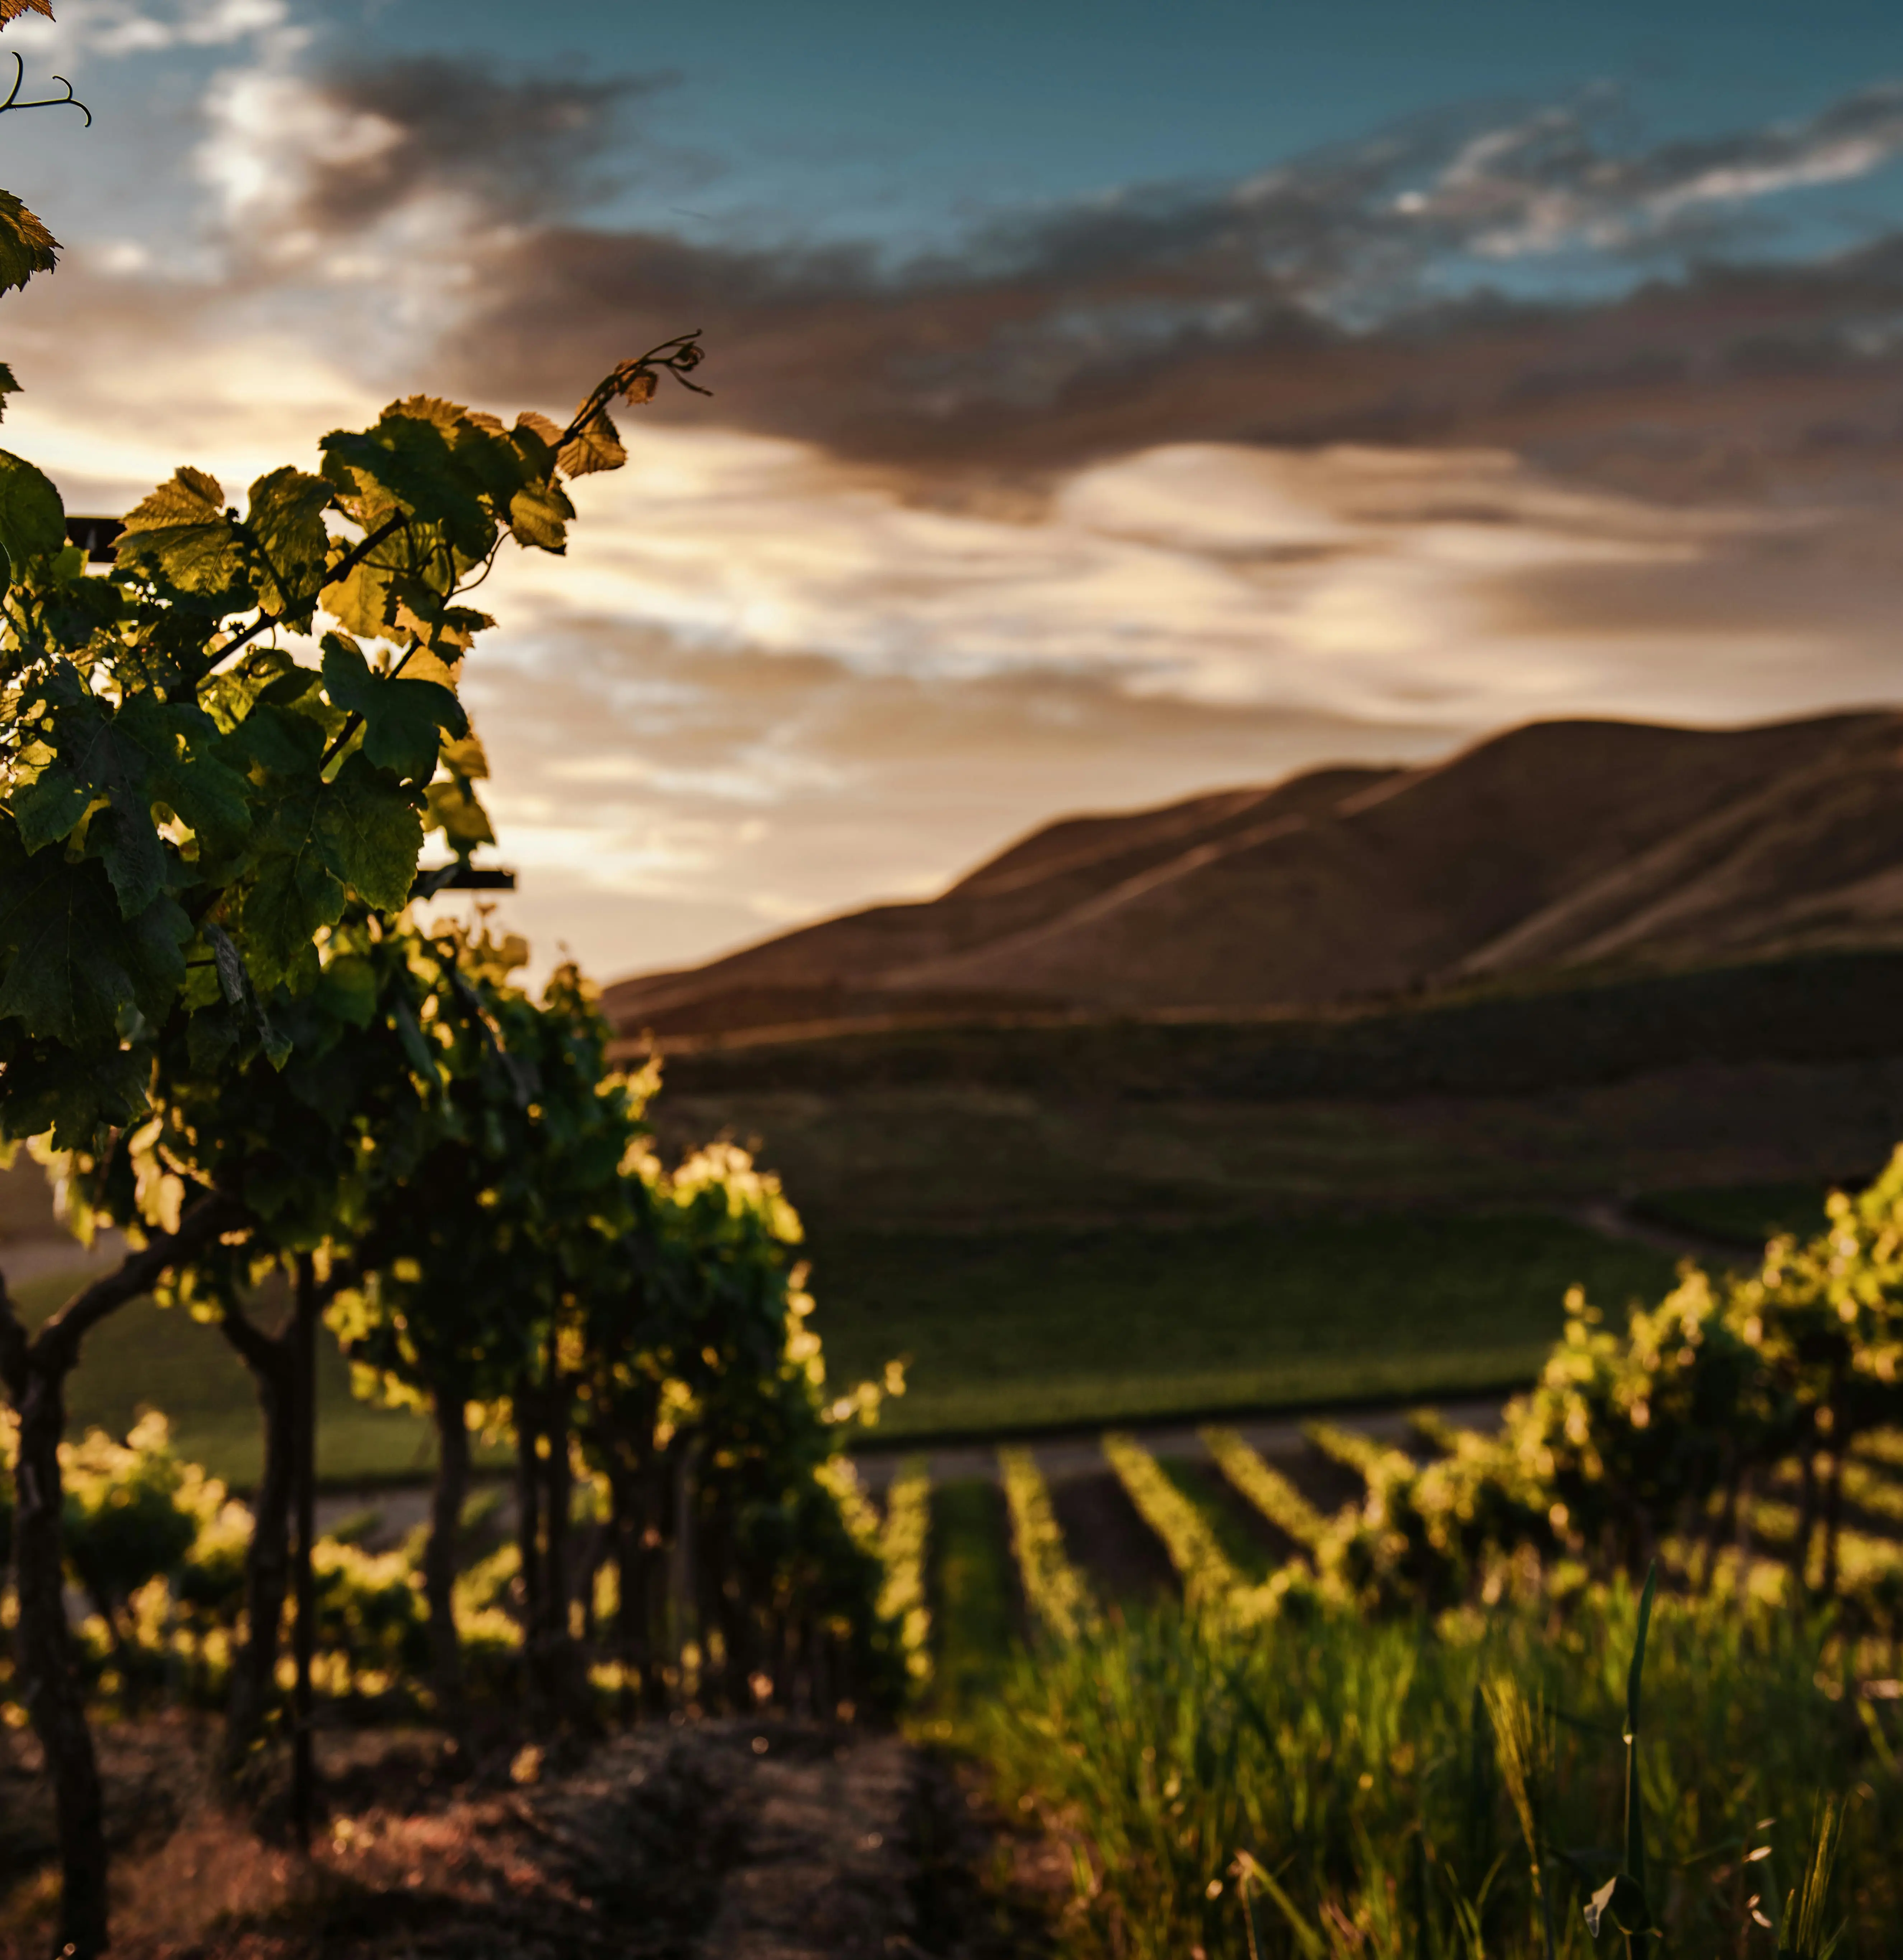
1247 1771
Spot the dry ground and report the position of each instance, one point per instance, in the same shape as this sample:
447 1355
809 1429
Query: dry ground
749 1839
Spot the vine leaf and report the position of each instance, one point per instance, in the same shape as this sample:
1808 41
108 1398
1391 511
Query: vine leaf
372 833
286 526
33 519
539 514
25 246
148 751
49 807
76 964
597 446
181 534
453 808
349 990
405 464
403 718
75 1096
360 832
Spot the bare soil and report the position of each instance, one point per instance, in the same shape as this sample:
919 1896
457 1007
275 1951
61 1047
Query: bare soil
749 1839
1104 1535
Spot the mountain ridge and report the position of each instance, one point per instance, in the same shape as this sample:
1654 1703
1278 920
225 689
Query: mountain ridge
1549 846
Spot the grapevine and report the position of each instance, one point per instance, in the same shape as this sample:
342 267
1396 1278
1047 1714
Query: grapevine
1054 1589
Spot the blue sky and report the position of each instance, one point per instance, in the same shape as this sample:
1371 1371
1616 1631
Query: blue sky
904 121
1111 403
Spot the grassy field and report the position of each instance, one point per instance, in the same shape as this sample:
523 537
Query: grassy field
1787 1074
1025 1330
1031 1330
974 1624
1750 1213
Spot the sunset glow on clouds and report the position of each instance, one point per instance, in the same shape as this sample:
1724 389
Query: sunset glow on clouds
1178 486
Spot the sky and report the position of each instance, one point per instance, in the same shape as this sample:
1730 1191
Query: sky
1111 403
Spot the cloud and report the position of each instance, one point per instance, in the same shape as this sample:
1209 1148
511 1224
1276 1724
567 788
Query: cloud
764 686
1550 180
110 29
1180 486
348 149
436 203
618 752
1299 308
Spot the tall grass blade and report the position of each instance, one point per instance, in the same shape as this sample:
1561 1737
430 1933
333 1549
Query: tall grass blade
1634 1681
1804 1937
1252 1873
1523 1747
1622 1898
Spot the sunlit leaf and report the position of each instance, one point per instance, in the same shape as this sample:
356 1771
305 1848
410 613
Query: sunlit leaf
25 246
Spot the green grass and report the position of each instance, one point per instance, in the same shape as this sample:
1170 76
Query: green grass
1031 1329
970 1586
147 1357
1352 1760
1199 1483
1750 1213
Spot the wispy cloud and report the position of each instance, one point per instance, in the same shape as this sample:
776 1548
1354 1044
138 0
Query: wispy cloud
1180 485
109 29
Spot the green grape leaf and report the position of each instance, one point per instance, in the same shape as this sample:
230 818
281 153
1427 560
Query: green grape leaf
406 462
75 964
293 892
190 773
486 452
180 533
72 610
49 807
371 834
448 631
362 601
454 810
148 751
401 717
348 990
409 1033
360 832
127 842
25 246
212 1034
539 514
33 519
467 757
274 740
286 525
77 1096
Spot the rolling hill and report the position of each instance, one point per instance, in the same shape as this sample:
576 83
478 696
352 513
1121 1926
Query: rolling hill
1322 1089
1559 846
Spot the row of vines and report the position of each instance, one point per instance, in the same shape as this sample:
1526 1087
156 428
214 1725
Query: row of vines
1392 1725
224 1030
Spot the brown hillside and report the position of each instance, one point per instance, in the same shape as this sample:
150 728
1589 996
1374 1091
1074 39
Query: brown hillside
1557 845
